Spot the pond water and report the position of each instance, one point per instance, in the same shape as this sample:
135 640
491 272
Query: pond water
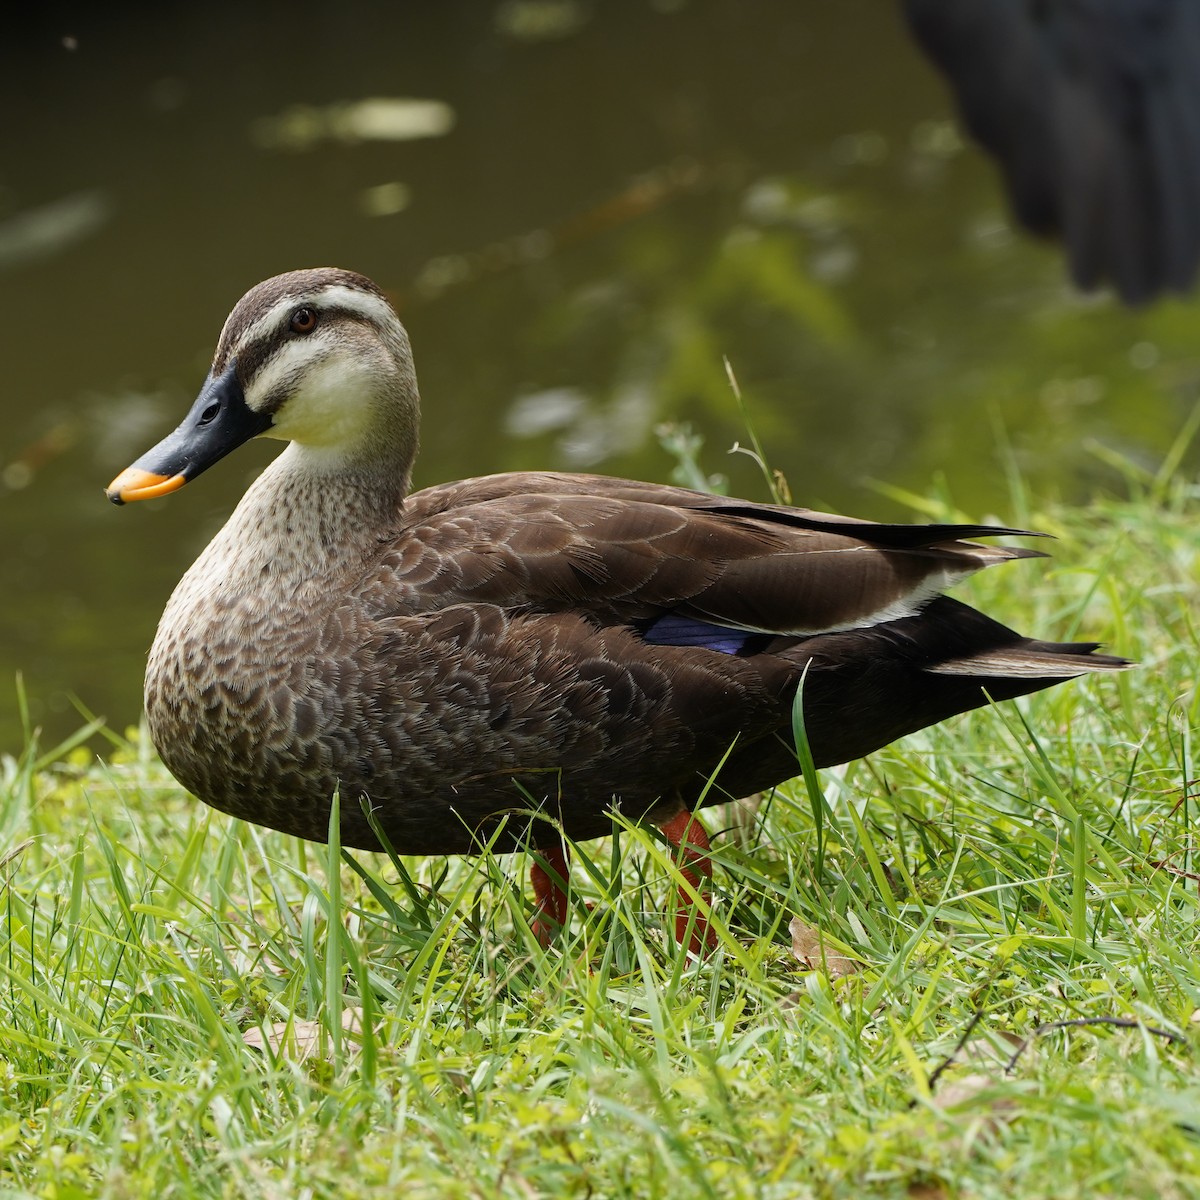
593 207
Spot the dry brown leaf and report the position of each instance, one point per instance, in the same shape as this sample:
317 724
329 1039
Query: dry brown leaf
741 821
460 1079
927 1191
963 1090
813 950
993 1050
16 851
298 1036
980 1065
304 1037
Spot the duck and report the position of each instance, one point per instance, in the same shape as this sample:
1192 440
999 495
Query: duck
508 660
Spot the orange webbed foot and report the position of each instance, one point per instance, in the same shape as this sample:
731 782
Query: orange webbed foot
550 892
689 837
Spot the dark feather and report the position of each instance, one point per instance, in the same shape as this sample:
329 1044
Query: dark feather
1092 110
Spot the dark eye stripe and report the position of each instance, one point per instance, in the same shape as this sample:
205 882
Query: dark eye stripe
252 358
284 294
252 354
281 392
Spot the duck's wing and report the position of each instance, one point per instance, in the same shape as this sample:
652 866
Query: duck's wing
628 553
465 493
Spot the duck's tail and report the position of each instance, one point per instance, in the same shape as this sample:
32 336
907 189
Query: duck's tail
864 688
1031 659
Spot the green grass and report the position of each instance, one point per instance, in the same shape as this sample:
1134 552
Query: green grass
1030 864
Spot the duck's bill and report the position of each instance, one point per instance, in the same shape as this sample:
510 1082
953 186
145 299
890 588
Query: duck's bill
220 421
133 483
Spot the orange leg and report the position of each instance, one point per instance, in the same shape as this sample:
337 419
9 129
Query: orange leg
688 836
549 890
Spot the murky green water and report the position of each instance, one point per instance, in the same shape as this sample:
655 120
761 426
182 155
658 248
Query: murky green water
607 200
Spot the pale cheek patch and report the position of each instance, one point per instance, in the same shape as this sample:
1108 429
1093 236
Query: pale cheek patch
333 407
279 374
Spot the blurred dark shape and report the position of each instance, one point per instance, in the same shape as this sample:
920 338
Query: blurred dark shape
1092 108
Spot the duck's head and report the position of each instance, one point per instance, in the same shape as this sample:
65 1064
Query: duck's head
316 357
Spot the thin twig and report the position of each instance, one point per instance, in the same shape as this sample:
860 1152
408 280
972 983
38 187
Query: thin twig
953 1055
1079 1022
1048 1027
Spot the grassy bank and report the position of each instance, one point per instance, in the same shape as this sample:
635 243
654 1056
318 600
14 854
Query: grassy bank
194 1006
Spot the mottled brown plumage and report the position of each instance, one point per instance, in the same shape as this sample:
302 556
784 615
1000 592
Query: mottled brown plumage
569 643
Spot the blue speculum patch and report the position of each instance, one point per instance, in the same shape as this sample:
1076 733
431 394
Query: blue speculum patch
671 629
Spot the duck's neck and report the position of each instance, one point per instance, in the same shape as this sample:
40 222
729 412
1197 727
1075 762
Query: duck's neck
306 520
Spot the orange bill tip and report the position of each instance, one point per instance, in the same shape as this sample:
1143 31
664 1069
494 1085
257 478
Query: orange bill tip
135 484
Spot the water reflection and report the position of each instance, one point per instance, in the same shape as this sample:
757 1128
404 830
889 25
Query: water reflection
376 119
51 228
627 196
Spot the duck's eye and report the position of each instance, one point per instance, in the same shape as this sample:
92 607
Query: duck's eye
304 320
